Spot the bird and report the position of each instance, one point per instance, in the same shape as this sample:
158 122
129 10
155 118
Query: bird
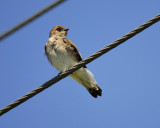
63 54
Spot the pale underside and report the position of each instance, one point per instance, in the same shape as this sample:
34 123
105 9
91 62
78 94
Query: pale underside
61 59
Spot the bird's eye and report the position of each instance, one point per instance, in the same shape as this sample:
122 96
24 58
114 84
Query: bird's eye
59 29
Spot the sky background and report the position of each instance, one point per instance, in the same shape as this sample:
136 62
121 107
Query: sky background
129 75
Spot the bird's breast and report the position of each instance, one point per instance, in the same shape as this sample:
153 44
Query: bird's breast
59 57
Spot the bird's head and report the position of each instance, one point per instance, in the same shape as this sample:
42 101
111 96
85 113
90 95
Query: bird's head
58 30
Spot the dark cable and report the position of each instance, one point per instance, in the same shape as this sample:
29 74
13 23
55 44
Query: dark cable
25 22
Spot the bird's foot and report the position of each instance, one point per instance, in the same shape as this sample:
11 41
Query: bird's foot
59 74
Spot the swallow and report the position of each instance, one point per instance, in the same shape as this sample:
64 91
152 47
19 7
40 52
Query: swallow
63 54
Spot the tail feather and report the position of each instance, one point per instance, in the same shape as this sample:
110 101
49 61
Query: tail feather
86 78
95 91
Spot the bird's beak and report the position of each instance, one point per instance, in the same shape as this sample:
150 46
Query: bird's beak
66 29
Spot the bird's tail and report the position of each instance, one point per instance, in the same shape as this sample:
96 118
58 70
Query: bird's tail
95 91
86 78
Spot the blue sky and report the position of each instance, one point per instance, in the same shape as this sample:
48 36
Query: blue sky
129 75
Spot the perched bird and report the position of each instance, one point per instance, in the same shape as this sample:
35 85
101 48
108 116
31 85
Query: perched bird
63 54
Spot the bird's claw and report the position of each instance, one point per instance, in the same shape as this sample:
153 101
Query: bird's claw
59 74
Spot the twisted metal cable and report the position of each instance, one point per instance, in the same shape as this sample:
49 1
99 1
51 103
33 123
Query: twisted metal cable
18 26
79 65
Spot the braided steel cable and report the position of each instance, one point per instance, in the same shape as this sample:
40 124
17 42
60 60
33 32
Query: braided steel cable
80 64
20 25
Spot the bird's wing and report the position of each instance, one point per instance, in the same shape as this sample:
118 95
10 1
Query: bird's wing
73 49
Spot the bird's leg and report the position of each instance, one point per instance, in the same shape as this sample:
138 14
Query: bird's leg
59 74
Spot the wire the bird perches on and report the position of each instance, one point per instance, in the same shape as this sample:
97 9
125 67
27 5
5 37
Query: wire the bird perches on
20 25
80 64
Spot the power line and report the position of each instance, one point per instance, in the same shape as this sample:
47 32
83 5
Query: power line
80 64
25 22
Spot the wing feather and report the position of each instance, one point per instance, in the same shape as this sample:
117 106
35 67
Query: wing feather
73 49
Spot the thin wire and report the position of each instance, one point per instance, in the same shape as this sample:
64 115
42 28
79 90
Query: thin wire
79 65
25 22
